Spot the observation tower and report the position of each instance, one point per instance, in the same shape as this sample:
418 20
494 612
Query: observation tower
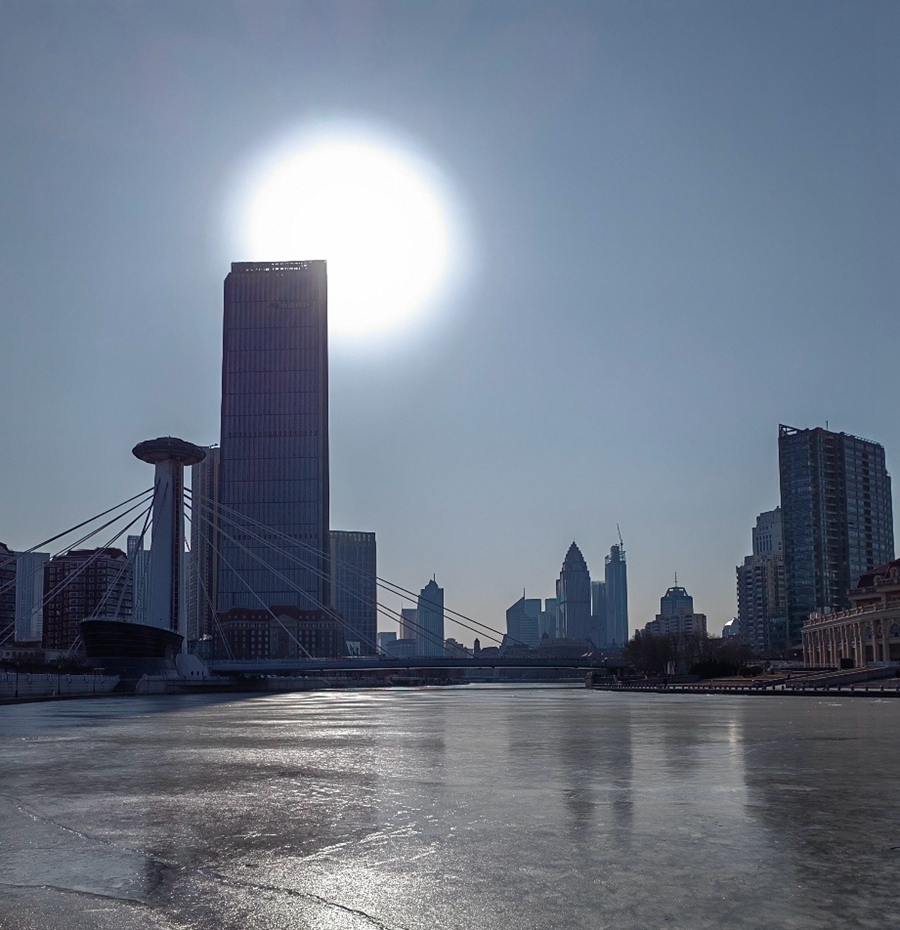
166 597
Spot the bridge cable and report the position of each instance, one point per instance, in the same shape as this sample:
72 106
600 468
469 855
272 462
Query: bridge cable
247 586
78 542
77 526
383 583
48 596
325 577
268 567
392 614
59 588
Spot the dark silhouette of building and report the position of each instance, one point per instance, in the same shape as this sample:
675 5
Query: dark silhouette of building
274 436
617 632
81 584
523 620
549 620
837 518
573 591
354 591
7 593
430 617
598 613
675 601
247 634
409 621
203 579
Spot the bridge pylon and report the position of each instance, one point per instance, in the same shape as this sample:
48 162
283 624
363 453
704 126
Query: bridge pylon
167 603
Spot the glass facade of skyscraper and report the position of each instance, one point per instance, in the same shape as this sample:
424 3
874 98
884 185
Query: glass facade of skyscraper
837 518
354 588
573 590
523 622
430 617
616 597
274 437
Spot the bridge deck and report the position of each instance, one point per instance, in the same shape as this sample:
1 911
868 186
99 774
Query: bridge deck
294 666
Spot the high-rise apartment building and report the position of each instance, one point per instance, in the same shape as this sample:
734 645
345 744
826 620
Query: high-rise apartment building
430 616
573 591
203 579
617 632
81 584
762 609
523 622
837 518
354 588
273 470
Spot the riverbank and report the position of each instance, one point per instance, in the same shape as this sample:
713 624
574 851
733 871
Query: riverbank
867 689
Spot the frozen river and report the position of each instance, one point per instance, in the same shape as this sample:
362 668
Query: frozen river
474 807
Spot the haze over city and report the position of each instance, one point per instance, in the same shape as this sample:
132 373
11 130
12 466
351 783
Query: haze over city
672 226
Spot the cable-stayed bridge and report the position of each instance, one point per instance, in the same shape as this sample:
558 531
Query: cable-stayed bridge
163 510
385 664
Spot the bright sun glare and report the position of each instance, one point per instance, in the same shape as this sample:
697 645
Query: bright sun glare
377 213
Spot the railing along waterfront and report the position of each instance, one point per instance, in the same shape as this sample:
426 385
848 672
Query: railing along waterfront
51 684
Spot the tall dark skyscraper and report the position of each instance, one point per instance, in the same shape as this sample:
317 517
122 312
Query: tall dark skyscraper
430 617
837 518
616 597
573 590
355 587
274 436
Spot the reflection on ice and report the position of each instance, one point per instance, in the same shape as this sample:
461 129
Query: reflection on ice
456 808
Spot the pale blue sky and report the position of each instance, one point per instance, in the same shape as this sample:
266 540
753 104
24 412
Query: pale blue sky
686 216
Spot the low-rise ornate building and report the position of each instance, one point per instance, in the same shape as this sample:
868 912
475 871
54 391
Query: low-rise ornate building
243 633
868 632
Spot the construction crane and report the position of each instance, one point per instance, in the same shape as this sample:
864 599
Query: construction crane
621 544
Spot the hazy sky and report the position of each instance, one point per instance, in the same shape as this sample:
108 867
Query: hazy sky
683 229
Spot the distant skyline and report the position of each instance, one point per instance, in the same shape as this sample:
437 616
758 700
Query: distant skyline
682 229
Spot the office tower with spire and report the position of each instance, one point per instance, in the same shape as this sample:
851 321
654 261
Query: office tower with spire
273 460
430 619
837 518
573 591
617 632
676 615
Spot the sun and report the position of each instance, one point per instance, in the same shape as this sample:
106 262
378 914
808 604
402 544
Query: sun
376 210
